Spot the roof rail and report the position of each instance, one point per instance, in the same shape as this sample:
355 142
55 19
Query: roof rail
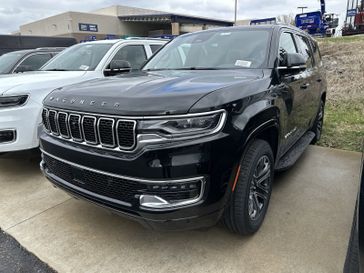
147 38
50 48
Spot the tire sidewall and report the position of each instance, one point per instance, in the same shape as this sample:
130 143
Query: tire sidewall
243 189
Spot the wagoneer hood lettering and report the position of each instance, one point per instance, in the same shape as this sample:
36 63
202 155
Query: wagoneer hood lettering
155 93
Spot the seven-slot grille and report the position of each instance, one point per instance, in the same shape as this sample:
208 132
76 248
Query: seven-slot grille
91 129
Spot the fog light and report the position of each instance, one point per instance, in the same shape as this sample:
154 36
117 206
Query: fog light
172 195
7 136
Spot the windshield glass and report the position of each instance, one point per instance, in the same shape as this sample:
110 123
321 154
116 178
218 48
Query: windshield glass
7 61
218 49
81 57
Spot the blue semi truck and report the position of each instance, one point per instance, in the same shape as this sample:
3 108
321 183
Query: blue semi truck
318 23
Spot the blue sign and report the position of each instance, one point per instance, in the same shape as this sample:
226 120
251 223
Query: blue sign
351 12
88 27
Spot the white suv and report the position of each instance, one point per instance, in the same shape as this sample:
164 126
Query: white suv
21 95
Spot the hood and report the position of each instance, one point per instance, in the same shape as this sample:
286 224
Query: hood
148 93
26 82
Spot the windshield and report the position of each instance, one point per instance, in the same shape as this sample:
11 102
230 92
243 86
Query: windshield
7 61
81 57
218 49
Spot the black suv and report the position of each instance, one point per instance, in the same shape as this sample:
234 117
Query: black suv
26 60
194 137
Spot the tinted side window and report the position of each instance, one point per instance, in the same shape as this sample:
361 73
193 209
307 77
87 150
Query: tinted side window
155 48
316 54
286 45
304 45
134 54
33 62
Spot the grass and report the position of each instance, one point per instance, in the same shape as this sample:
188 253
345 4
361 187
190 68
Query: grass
343 59
346 39
344 125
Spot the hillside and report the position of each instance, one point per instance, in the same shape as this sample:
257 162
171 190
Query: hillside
344 122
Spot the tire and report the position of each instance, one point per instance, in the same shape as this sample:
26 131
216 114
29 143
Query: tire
318 124
352 256
249 202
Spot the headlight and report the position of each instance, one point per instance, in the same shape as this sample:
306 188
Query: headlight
183 127
11 101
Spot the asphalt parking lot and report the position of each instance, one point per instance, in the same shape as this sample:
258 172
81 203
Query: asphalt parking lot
306 229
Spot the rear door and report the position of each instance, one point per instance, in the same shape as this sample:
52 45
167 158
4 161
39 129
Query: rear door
309 85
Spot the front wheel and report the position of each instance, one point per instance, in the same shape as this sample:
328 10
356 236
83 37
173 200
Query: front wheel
251 190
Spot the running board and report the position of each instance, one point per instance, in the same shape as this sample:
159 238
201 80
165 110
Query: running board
290 158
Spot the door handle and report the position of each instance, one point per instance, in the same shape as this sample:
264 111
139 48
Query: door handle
305 86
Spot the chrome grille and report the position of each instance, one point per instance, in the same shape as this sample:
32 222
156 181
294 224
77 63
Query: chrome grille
52 119
106 132
74 122
90 129
124 138
62 124
45 119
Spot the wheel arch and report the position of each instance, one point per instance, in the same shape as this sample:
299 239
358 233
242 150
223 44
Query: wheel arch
264 125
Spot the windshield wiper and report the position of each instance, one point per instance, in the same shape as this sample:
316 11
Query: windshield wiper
197 68
56 69
184 68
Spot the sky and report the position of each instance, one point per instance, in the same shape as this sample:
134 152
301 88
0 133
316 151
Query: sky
14 13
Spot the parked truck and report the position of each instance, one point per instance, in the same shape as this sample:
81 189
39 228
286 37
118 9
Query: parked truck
9 43
354 23
318 23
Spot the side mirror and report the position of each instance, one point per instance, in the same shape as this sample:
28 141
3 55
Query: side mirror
120 65
293 61
117 67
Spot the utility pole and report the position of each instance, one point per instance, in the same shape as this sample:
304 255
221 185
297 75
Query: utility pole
302 8
236 11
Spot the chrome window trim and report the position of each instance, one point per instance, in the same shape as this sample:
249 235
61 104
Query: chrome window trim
79 127
134 134
112 132
55 121
95 131
14 136
66 121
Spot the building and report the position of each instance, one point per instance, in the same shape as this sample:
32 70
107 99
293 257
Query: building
118 21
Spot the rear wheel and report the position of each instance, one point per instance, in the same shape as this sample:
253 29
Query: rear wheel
319 123
251 195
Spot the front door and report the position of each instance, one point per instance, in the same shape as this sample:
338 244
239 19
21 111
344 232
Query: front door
292 87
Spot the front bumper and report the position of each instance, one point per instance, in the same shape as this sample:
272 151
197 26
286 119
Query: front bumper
213 163
25 122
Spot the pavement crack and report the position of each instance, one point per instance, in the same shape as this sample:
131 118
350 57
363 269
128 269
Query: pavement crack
37 214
